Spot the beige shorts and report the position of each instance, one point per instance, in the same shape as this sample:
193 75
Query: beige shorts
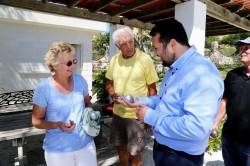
130 132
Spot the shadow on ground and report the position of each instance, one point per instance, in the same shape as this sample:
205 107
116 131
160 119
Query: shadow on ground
215 163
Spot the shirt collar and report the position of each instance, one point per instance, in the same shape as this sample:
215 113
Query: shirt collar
183 58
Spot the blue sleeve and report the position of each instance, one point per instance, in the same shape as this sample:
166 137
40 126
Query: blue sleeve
81 85
40 95
150 101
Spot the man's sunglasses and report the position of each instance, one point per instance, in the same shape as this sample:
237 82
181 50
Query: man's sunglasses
69 63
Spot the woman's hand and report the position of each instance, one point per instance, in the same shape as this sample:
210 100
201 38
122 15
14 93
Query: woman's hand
67 127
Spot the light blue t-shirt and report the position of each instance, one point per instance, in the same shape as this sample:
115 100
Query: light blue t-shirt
185 108
63 107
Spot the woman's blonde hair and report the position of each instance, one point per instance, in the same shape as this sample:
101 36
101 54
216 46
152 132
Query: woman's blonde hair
55 50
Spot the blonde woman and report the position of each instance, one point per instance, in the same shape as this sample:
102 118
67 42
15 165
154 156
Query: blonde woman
58 105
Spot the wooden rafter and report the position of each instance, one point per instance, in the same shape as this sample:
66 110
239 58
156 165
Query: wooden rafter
216 11
159 18
162 8
137 13
74 12
136 4
73 3
221 1
235 8
102 5
244 13
45 1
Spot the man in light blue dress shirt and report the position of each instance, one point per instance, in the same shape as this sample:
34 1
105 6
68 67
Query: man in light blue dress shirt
185 108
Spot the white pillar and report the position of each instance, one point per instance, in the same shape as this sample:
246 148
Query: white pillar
192 15
87 60
112 47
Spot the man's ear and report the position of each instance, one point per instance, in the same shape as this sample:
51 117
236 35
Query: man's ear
173 44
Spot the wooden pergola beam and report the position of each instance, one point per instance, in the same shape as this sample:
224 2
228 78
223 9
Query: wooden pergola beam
216 11
153 11
74 12
134 5
73 3
102 5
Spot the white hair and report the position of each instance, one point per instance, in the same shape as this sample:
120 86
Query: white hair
124 31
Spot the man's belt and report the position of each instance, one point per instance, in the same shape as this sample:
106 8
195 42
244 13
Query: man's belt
168 149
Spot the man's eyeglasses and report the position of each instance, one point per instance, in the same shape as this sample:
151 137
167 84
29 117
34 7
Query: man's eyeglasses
69 63
126 44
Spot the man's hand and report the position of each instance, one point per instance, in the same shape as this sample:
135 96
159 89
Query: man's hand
117 97
126 103
141 112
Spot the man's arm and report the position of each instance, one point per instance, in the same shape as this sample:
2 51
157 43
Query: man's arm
87 101
152 89
38 120
220 115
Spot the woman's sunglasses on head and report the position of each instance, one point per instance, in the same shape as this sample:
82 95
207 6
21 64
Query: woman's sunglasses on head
69 63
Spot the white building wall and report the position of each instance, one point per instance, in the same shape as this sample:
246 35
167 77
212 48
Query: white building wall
23 43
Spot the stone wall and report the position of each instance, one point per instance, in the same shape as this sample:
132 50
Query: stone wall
219 59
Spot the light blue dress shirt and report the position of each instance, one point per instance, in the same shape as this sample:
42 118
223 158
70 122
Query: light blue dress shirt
185 108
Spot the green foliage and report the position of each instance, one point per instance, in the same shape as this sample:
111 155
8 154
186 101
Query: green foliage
100 45
99 86
224 70
231 39
228 51
210 39
206 53
214 144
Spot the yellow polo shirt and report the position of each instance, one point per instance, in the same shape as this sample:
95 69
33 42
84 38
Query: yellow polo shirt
131 76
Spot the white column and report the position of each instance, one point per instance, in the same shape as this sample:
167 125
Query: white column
112 47
87 60
192 15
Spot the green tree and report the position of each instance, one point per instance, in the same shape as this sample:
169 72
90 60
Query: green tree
210 39
230 39
142 40
99 86
100 44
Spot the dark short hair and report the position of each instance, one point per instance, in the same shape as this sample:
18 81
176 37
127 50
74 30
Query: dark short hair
171 29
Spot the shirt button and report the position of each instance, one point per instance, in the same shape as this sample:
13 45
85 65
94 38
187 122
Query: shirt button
160 98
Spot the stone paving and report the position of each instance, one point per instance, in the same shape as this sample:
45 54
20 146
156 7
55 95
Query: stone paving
106 153
214 159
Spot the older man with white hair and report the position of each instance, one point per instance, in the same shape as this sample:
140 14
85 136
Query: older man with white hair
131 71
